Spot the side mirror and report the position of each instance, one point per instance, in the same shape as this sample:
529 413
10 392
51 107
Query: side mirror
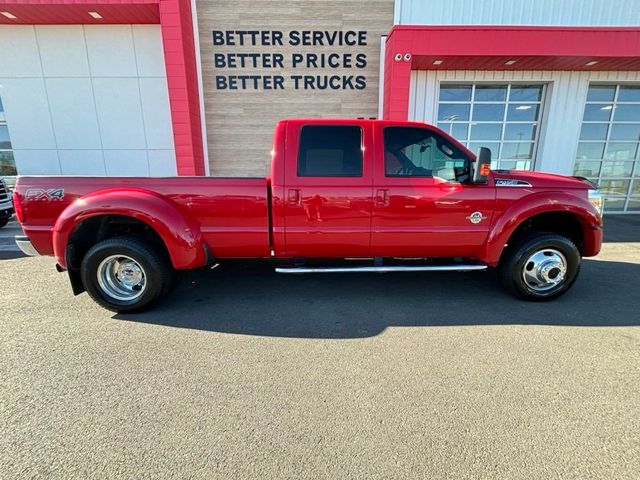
483 166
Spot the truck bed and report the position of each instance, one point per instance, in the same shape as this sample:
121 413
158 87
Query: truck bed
232 212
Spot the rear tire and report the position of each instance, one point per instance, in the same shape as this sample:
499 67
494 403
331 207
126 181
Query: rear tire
125 274
540 268
4 221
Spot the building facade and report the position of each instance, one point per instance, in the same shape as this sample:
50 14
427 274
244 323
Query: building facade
194 87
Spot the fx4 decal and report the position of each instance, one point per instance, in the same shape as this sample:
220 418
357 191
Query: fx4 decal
51 194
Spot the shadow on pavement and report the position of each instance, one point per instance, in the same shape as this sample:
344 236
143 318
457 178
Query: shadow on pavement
8 248
257 301
621 228
11 254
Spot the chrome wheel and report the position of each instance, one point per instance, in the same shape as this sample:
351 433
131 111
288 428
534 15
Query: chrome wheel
121 278
544 270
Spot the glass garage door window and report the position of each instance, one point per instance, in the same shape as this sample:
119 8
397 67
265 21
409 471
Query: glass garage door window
7 163
503 117
608 150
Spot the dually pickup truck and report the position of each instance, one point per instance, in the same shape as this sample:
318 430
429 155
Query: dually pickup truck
343 196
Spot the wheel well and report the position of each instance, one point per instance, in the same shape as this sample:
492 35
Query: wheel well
561 223
96 229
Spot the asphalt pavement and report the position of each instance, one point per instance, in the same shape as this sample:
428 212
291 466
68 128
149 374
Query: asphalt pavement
8 248
244 373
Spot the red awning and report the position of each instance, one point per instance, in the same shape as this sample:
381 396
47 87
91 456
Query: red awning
61 12
518 47
467 47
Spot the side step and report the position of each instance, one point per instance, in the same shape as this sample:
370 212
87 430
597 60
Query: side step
390 268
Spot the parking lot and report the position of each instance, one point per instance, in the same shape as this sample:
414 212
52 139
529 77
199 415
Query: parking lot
243 373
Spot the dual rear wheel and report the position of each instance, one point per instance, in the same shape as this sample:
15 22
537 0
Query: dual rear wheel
126 274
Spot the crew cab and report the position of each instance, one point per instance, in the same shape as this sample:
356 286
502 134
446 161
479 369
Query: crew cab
342 196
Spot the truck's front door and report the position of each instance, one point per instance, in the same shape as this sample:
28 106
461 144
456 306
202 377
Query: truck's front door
328 189
424 205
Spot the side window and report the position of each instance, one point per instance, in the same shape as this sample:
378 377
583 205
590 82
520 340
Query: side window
418 152
330 151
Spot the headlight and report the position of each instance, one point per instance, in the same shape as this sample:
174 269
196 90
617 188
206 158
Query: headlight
595 197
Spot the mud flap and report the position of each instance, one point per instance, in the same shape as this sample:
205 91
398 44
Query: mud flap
77 287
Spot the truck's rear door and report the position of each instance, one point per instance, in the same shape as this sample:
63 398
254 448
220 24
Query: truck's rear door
328 189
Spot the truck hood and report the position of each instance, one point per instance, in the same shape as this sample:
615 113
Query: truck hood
524 178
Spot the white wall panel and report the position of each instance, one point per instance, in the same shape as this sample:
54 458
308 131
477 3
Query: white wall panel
19 52
162 163
517 12
73 113
126 163
119 113
37 162
562 112
27 113
111 51
62 50
82 162
156 112
149 58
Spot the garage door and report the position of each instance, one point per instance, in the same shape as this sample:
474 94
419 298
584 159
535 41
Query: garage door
84 100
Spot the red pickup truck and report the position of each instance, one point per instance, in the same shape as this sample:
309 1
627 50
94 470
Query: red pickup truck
343 195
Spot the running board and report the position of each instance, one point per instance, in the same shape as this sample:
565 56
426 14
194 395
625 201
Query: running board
398 268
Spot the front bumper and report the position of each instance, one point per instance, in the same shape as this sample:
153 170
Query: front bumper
24 244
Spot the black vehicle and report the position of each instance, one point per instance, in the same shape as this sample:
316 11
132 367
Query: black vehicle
6 204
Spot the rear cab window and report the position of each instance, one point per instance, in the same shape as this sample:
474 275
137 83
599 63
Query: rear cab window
330 151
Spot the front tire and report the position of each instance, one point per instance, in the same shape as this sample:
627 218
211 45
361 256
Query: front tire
4 221
541 267
125 274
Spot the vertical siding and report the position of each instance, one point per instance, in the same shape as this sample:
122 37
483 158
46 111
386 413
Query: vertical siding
562 112
517 12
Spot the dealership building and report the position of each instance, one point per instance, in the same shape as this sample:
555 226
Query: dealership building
195 87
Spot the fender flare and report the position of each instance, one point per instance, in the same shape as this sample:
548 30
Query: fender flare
510 219
178 230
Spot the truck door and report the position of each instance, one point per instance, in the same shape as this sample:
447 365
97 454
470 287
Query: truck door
423 203
328 189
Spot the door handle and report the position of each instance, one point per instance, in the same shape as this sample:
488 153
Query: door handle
294 196
382 197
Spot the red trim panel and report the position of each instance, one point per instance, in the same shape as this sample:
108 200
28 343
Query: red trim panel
182 78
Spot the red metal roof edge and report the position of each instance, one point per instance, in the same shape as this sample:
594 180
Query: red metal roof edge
559 28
